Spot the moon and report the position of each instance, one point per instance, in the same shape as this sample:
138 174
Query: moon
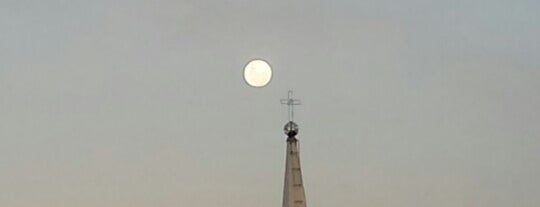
257 73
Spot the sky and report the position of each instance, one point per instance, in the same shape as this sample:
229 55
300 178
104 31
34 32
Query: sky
142 103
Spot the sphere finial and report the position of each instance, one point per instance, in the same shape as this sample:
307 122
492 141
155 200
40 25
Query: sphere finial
290 129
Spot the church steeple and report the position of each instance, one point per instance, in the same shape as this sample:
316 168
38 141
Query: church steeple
293 190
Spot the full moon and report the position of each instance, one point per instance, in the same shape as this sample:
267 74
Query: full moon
257 73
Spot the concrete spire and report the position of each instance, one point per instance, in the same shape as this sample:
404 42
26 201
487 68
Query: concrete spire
293 190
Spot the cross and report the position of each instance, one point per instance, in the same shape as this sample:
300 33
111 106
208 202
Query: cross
290 102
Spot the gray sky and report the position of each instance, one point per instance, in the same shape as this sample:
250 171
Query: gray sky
142 103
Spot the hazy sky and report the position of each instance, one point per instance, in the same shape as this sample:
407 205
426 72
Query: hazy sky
142 103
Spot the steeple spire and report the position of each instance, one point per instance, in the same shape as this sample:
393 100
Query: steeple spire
293 190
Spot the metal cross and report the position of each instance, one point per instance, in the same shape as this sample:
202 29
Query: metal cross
290 102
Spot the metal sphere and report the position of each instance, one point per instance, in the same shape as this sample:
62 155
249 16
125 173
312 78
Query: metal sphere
290 129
